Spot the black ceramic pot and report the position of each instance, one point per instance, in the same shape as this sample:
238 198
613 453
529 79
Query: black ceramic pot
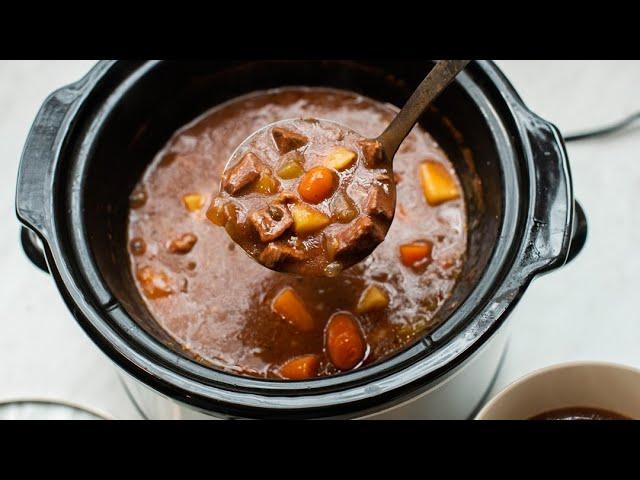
92 140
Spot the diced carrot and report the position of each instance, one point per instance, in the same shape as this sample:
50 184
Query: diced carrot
412 253
301 368
307 219
317 184
373 298
290 307
344 341
438 185
193 201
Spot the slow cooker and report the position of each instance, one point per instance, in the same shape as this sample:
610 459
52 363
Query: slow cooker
91 141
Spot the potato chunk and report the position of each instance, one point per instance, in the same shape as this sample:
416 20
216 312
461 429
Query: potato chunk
372 299
438 185
266 184
291 165
291 308
340 158
307 220
193 201
220 211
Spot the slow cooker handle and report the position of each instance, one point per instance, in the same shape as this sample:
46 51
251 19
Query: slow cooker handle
557 226
579 235
33 189
33 249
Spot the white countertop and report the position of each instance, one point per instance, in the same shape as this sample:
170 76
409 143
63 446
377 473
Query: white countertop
584 311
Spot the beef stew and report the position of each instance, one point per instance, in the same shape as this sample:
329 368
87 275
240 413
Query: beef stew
307 196
233 313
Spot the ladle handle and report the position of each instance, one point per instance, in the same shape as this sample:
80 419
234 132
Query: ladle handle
433 84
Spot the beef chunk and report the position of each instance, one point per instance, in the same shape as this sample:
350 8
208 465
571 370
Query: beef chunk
380 202
137 246
287 140
278 252
286 197
138 198
372 153
246 171
272 221
182 244
362 235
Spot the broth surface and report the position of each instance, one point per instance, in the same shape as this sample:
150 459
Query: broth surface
217 302
579 413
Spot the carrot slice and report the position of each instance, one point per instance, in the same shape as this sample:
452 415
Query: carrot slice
438 185
317 184
344 341
291 308
412 253
301 368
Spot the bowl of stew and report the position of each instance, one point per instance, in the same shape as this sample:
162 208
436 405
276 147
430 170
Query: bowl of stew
118 181
570 391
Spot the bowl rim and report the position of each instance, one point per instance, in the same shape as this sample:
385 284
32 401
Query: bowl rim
543 371
58 402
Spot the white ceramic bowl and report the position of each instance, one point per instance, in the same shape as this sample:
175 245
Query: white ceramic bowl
605 386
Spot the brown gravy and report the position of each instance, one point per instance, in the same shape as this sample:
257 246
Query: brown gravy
579 413
216 301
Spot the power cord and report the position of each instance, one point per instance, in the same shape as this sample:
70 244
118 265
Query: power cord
603 131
